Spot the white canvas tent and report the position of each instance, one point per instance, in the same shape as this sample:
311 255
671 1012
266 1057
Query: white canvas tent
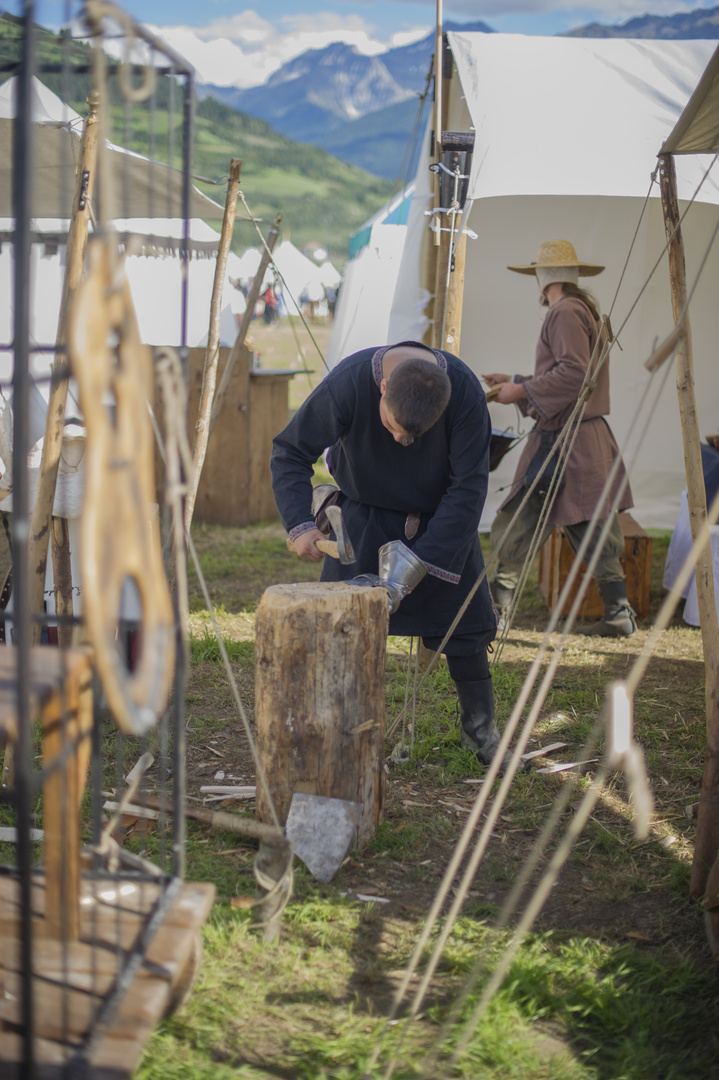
56 132
369 279
155 273
567 136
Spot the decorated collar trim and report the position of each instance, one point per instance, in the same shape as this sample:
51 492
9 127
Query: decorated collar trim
377 358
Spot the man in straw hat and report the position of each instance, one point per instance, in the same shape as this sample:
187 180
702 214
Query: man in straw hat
571 350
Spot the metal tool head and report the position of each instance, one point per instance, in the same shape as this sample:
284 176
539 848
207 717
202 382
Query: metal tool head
321 830
344 544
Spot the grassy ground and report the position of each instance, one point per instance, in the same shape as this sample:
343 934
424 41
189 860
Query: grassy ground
615 982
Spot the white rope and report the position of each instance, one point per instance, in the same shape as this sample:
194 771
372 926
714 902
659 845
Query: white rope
170 372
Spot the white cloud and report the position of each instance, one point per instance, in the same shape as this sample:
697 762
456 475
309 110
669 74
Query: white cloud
408 37
244 50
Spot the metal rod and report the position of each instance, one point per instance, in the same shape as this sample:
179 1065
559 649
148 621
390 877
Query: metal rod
22 173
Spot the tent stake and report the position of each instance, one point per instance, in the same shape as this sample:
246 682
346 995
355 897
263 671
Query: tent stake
212 352
707 835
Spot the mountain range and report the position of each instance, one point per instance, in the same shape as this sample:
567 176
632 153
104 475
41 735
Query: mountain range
364 109
358 108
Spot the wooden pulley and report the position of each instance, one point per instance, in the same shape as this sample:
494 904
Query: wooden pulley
120 538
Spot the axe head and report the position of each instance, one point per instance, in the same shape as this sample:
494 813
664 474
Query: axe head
344 544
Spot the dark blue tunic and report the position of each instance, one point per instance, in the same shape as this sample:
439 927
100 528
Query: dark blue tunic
442 476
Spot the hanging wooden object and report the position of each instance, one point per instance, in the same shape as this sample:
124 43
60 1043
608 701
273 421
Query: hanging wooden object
119 530
706 842
40 530
319 696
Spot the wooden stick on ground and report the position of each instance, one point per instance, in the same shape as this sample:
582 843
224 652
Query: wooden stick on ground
216 819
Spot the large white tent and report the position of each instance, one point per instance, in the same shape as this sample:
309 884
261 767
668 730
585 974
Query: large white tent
567 132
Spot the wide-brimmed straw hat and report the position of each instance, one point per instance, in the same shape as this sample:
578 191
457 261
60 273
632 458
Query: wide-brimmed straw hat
558 253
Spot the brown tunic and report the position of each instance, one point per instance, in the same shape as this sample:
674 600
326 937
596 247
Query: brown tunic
565 348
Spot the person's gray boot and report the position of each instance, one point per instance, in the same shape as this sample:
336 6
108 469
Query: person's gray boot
619 619
503 597
476 714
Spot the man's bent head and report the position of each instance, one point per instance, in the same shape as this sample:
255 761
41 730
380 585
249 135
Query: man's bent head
417 393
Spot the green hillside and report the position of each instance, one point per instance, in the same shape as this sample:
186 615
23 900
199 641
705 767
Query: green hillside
320 198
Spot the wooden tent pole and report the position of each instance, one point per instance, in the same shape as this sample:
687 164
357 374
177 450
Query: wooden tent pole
707 834
40 523
252 298
455 298
212 352
430 258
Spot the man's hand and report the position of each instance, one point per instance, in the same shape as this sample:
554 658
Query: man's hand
509 392
496 378
305 545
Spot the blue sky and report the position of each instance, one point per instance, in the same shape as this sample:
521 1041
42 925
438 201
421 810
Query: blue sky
231 42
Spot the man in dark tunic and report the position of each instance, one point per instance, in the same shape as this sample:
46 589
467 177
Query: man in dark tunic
411 481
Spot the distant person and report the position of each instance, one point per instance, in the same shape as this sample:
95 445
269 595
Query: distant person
408 434
271 313
569 349
331 295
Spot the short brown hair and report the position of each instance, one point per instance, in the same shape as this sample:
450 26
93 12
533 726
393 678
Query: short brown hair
417 394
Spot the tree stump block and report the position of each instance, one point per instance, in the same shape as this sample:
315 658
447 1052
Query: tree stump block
319 696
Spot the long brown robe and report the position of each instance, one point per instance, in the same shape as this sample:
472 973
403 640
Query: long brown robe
566 347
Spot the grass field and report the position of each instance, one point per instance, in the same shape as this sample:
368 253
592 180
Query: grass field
615 980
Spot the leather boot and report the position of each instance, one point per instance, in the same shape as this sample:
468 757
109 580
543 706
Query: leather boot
619 619
503 597
476 713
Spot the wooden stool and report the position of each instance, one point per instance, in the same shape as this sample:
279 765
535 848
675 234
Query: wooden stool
319 696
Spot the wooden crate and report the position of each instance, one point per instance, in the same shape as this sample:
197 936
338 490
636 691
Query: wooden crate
556 558
236 487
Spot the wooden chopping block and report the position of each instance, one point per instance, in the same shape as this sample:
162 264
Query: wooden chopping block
319 696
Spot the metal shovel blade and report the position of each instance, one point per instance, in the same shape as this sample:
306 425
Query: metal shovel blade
321 830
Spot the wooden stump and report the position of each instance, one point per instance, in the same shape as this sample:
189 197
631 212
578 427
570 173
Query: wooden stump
319 696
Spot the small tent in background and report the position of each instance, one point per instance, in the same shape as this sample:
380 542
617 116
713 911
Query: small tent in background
566 138
154 271
365 299
300 281
249 264
329 275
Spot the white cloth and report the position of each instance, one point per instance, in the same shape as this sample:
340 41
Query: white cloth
546 275
679 547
